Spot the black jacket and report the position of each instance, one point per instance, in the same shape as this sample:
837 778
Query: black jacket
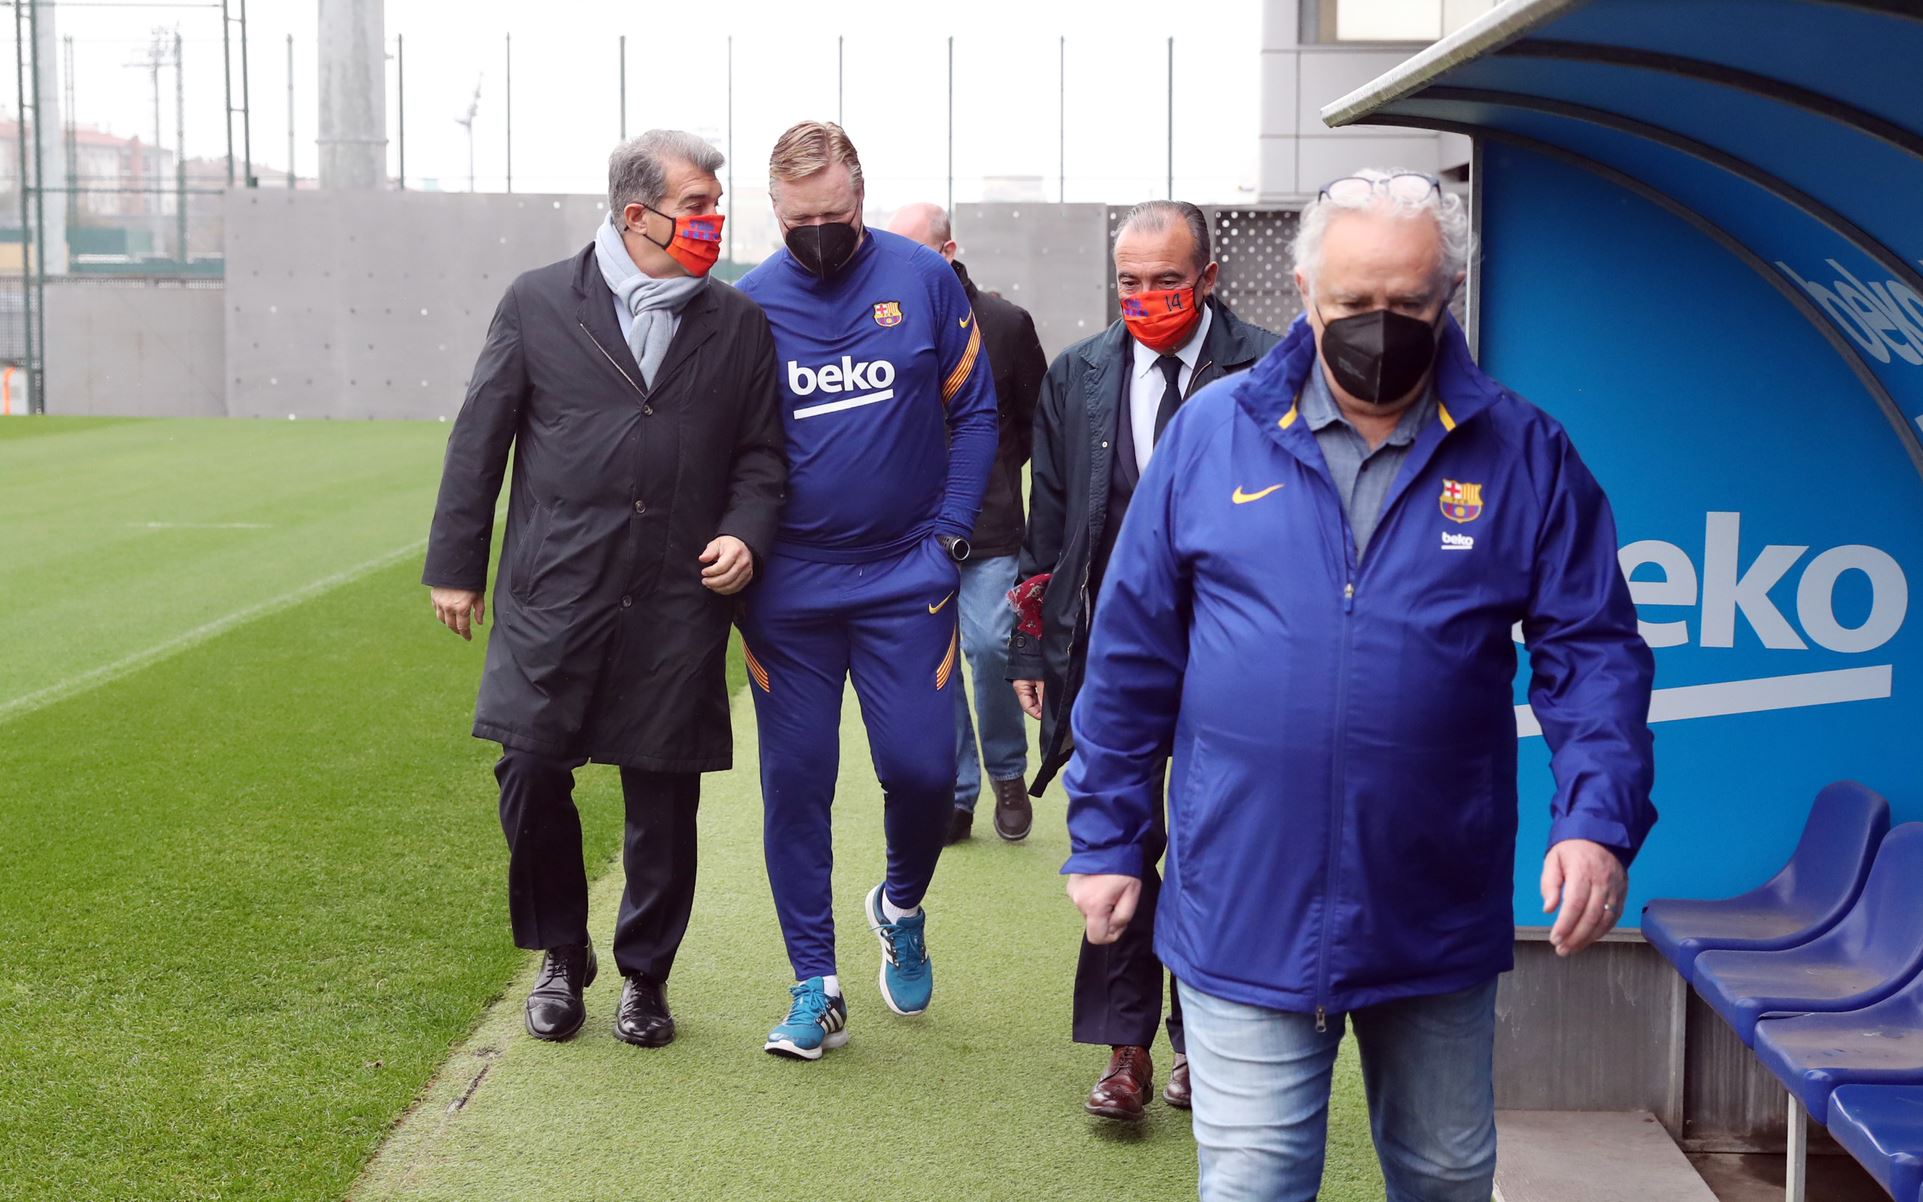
1015 354
605 644
1069 500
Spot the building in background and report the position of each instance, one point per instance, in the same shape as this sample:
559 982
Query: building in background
1314 51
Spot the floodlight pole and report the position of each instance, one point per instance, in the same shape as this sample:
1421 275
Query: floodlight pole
1171 117
400 101
726 226
624 90
23 34
951 124
290 112
180 152
508 111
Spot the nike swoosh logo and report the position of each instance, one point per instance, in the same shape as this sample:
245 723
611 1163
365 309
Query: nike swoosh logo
942 604
966 320
1243 498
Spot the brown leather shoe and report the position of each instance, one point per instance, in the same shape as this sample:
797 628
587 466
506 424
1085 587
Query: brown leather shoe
1124 1090
1176 1092
1014 814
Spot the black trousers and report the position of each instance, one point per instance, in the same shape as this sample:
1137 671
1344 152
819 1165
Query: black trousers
1118 986
547 885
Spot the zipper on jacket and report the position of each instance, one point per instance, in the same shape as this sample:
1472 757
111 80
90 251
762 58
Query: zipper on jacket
1337 786
642 392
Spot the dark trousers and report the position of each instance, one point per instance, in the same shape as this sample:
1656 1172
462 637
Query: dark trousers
547 884
1118 986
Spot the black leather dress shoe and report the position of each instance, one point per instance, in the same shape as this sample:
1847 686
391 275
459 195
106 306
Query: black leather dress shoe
644 1020
554 1007
961 824
1014 814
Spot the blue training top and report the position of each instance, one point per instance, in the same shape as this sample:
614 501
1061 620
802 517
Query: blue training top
889 400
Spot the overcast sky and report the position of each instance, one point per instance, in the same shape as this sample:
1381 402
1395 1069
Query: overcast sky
566 110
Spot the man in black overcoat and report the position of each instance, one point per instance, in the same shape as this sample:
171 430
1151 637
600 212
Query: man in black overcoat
638 399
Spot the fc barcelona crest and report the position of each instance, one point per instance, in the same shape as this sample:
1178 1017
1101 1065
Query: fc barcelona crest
887 313
1461 502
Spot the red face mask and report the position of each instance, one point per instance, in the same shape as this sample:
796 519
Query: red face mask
695 242
1162 320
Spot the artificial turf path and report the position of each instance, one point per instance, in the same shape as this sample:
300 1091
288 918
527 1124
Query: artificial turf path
252 893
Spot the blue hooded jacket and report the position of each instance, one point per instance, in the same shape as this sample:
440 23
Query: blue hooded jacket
1342 797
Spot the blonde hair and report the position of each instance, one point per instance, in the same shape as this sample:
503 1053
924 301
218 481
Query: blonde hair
810 146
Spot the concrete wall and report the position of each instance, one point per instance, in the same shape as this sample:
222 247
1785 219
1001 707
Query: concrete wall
134 349
1051 259
374 304
358 305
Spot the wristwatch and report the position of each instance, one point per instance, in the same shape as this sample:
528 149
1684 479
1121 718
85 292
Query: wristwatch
957 548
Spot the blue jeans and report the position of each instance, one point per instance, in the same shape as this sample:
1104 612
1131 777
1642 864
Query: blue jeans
986 622
1261 1081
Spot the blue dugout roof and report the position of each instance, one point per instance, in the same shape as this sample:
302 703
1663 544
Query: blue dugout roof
1763 123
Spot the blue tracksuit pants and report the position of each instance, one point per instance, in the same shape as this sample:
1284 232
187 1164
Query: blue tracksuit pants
808 627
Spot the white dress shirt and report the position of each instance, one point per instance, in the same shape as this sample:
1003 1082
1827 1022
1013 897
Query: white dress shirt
1146 385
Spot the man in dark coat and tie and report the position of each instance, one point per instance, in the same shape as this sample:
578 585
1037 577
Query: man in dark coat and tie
1105 402
638 399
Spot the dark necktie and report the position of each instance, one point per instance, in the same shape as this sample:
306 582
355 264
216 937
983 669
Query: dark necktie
1171 394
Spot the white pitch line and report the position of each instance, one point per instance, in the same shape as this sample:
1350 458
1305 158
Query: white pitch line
1752 696
106 673
199 526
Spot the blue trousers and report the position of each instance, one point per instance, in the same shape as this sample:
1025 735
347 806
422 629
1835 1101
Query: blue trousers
1261 1080
986 622
808 628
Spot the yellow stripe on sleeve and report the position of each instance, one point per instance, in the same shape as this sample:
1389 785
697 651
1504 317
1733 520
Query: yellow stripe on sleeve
963 369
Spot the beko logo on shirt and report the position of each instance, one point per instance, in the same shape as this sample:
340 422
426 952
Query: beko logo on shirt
872 382
840 377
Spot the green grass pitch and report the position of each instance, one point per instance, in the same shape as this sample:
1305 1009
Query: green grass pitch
251 887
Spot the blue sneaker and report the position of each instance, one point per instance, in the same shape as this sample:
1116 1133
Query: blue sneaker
907 977
816 1021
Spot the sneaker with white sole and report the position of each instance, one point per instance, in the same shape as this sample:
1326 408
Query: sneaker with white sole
817 1020
907 975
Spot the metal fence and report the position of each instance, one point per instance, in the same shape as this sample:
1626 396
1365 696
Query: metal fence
133 118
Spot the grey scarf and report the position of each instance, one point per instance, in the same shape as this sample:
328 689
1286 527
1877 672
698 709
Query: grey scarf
656 304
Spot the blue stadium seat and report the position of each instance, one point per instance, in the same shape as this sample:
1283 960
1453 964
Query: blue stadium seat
1809 896
1875 950
1882 1126
1877 1045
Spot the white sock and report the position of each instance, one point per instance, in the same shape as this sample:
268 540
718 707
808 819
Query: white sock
832 984
893 912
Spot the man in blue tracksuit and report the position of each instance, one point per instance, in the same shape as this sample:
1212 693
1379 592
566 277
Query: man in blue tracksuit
889 407
1310 610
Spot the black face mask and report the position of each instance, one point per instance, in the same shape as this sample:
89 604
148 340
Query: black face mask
1379 356
823 249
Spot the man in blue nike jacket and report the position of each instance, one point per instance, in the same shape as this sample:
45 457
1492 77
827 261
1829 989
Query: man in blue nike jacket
889 408
1309 612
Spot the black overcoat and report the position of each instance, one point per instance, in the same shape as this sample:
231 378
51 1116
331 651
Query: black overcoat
605 644
1069 531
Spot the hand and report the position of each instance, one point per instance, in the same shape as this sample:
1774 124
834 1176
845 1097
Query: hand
452 607
1588 882
1028 693
1107 901
730 565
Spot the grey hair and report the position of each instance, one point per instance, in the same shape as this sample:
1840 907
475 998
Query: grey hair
638 168
1444 208
1154 216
